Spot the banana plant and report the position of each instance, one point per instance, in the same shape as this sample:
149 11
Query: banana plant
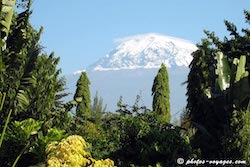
6 13
223 71
234 78
241 89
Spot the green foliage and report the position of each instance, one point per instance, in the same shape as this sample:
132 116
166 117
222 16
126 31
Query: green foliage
43 139
2 99
73 152
7 10
91 127
20 136
53 134
5 127
82 96
22 130
6 13
219 93
33 92
241 72
160 93
145 139
239 84
240 145
134 136
97 109
30 78
223 71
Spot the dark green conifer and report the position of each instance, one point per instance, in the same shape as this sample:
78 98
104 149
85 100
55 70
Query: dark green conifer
160 93
82 96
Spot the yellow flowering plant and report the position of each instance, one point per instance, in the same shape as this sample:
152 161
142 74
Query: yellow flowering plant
73 152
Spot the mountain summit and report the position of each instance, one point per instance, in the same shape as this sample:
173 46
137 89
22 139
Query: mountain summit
146 51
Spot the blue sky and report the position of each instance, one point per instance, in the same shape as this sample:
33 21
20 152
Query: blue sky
82 31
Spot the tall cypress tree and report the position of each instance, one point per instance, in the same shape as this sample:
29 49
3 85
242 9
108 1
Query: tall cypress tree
82 96
160 93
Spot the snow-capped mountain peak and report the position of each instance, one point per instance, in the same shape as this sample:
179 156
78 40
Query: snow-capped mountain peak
146 51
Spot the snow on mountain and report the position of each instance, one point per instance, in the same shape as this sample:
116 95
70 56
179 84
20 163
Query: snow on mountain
146 51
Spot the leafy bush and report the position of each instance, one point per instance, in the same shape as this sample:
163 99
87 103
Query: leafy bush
73 152
146 140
